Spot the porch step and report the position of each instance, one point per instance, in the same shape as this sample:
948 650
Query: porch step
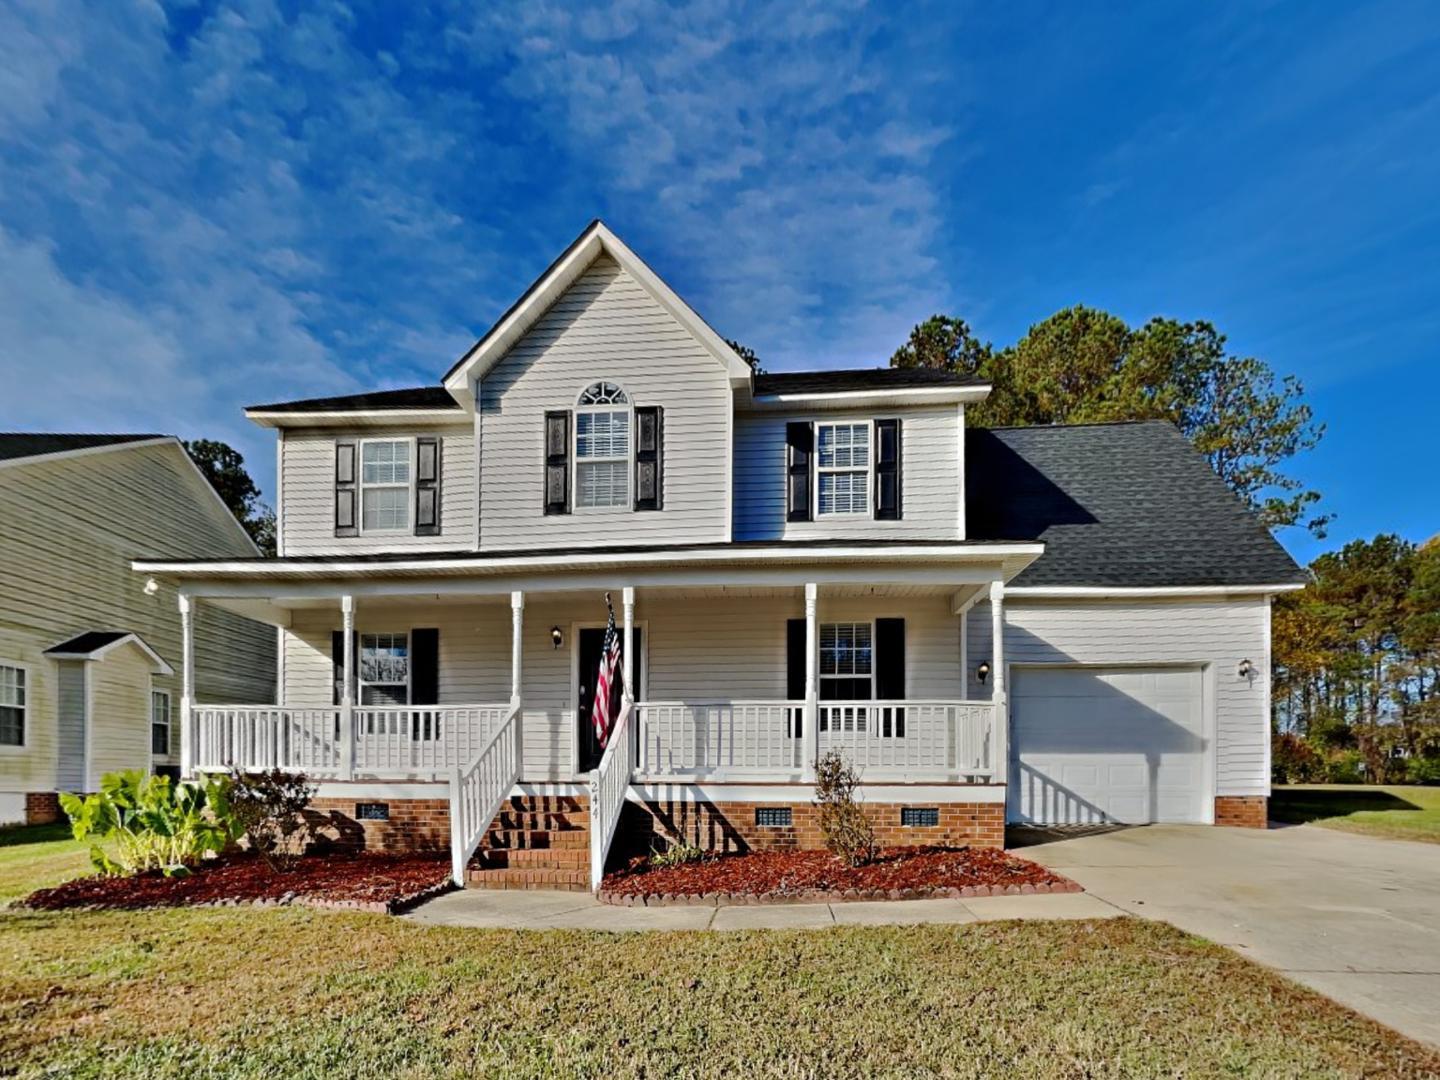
568 880
566 858
546 821
536 839
535 842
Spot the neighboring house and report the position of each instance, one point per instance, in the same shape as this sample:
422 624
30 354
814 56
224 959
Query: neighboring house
800 562
89 652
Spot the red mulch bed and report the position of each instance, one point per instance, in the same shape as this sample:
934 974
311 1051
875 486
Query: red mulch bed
900 873
364 882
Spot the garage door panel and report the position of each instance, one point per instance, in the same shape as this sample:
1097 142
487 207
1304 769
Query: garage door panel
1096 744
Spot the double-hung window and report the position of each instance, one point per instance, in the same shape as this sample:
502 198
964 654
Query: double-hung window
384 669
159 723
385 475
602 447
13 705
843 468
847 661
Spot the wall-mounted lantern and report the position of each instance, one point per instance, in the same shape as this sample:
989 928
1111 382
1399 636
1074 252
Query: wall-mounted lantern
983 671
1246 669
557 636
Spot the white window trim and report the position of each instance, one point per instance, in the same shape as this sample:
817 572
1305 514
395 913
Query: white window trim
819 677
169 725
26 713
360 486
361 683
869 470
627 407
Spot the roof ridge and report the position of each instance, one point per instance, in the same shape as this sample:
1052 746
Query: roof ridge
1082 424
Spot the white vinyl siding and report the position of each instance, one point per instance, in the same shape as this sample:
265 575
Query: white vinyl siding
930 478
306 516
1217 633
119 713
69 529
606 326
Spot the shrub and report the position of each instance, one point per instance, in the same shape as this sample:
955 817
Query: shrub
139 822
1294 761
677 852
1346 767
1423 770
269 809
843 822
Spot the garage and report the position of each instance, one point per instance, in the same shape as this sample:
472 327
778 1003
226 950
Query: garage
1090 745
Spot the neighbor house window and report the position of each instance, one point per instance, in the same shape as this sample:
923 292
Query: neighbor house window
847 662
384 485
384 669
13 702
602 447
159 723
843 468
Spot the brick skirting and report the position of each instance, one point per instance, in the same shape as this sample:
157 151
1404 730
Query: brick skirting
42 807
1243 811
414 825
730 826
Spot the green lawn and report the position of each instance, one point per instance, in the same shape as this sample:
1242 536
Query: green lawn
37 856
1398 813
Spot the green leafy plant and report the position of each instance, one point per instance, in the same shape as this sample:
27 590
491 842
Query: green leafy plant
138 822
677 852
269 811
843 821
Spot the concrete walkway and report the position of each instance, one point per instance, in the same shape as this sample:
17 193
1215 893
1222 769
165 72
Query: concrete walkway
1354 917
578 911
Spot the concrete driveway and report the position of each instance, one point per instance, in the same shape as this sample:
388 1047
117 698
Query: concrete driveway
1356 918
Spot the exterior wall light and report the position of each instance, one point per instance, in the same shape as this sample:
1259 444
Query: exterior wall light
151 587
1246 669
557 636
983 671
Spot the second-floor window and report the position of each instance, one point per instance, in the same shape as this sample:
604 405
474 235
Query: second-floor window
602 447
843 471
385 485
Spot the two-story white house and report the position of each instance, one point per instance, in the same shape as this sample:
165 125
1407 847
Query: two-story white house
1032 625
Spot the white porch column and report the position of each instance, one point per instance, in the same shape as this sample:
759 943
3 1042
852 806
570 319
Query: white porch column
347 692
627 658
811 722
998 695
187 686
517 625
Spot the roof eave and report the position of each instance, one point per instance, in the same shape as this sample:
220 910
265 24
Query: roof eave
845 399
284 418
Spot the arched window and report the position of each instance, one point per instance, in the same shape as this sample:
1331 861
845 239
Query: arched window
602 447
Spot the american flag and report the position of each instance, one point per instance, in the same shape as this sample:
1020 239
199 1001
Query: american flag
605 681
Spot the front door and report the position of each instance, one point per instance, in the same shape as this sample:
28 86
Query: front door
592 639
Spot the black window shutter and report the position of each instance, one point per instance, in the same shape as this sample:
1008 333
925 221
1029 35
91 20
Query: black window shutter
795 670
337 658
557 462
890 672
425 666
427 486
649 457
887 470
799 467
346 511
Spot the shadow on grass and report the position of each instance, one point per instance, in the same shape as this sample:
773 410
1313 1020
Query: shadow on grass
16 835
1298 806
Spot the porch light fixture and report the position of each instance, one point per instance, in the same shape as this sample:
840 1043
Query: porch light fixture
1246 669
983 671
151 587
557 636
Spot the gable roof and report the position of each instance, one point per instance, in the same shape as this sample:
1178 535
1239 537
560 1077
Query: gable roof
96 644
26 444
1120 505
416 397
546 289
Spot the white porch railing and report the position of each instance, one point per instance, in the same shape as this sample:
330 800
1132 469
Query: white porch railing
609 784
934 741
478 790
723 738
387 742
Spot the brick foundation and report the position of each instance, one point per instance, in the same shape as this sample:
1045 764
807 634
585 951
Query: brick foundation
730 826
414 825
1242 811
42 807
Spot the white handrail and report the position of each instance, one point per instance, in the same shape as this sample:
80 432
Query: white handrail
608 786
479 790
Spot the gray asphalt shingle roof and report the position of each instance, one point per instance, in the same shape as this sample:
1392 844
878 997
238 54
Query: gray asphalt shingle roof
88 642
857 380
415 397
1130 504
20 444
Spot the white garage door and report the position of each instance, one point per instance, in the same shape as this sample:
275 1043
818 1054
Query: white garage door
1091 745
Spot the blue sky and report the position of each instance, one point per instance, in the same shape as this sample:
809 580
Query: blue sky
208 205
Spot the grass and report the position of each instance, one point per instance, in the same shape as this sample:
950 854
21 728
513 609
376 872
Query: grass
38 856
1397 813
294 993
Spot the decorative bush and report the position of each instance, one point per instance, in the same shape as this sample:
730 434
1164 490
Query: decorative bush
268 809
139 822
1294 761
1423 770
843 822
677 852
